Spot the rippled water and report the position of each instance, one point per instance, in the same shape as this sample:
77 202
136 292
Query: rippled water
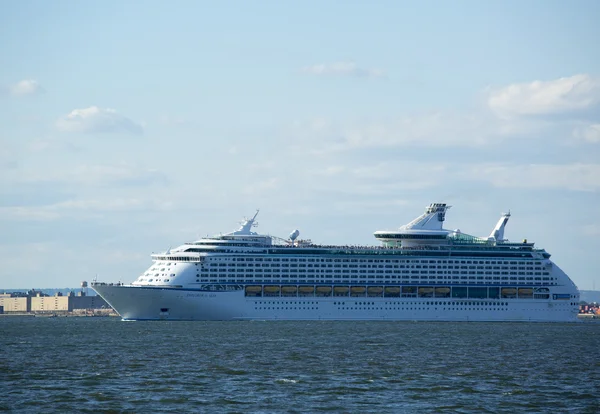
104 364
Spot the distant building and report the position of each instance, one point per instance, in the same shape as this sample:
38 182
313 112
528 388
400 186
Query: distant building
37 302
20 304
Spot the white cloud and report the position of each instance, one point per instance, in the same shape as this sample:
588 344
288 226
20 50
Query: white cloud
97 120
115 173
98 175
475 128
441 129
384 178
23 88
343 69
119 204
82 208
577 177
562 95
589 133
381 179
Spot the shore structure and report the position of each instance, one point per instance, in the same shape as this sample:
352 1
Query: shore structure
38 303
589 310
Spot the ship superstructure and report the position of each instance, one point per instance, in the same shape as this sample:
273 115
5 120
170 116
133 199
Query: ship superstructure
421 271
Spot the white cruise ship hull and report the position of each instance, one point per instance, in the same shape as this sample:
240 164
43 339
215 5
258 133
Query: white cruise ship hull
156 303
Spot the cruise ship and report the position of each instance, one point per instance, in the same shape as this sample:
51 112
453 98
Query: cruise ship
418 272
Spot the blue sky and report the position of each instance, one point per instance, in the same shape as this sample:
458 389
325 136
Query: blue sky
128 127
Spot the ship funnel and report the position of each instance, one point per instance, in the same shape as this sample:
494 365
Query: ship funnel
498 232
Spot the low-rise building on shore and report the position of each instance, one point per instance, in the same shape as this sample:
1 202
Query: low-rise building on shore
40 303
15 302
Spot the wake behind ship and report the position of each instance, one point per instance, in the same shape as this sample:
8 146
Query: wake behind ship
421 271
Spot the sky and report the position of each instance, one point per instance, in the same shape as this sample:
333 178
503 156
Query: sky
129 127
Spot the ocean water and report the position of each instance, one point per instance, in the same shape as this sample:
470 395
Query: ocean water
107 365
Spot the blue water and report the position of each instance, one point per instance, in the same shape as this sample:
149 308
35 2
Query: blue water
106 365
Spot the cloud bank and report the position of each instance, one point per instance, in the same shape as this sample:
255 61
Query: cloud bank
383 177
561 95
561 110
98 120
589 133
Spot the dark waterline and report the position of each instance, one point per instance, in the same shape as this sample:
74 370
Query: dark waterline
104 364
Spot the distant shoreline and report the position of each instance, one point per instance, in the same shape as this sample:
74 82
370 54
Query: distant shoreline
83 313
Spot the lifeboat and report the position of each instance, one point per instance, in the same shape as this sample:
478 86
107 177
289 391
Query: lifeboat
306 290
340 291
374 290
442 291
289 290
323 290
508 291
426 291
409 289
392 291
253 290
358 290
271 291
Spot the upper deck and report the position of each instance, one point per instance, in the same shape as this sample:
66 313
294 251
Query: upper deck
423 236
